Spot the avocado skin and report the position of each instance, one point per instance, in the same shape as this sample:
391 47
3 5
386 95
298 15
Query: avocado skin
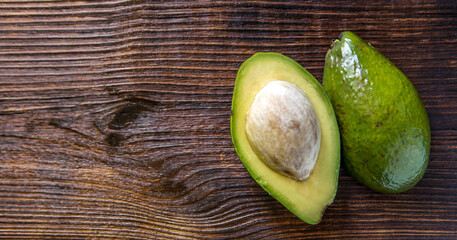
384 127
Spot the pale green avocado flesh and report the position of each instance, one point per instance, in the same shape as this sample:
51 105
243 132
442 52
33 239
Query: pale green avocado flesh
307 199
384 127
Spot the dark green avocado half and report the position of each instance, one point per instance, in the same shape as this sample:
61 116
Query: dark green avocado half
384 127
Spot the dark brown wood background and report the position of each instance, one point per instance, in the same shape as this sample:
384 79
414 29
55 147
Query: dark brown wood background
114 117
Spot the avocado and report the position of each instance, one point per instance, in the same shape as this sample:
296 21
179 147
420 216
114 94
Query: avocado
285 132
385 131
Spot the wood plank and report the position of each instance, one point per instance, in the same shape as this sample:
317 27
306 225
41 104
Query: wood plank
114 117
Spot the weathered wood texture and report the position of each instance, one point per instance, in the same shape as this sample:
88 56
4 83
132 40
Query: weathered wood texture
114 117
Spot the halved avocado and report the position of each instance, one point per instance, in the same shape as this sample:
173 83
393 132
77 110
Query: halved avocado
309 198
384 125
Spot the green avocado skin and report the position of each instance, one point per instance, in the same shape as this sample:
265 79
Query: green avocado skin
384 127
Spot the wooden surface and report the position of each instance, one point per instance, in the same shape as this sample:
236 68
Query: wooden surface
114 117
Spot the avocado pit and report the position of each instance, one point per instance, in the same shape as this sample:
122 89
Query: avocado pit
283 129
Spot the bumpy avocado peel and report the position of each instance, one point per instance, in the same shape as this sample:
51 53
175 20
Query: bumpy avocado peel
384 127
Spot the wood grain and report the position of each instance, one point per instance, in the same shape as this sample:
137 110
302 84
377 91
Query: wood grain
114 117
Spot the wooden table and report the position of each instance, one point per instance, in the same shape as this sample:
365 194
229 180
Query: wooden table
114 117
